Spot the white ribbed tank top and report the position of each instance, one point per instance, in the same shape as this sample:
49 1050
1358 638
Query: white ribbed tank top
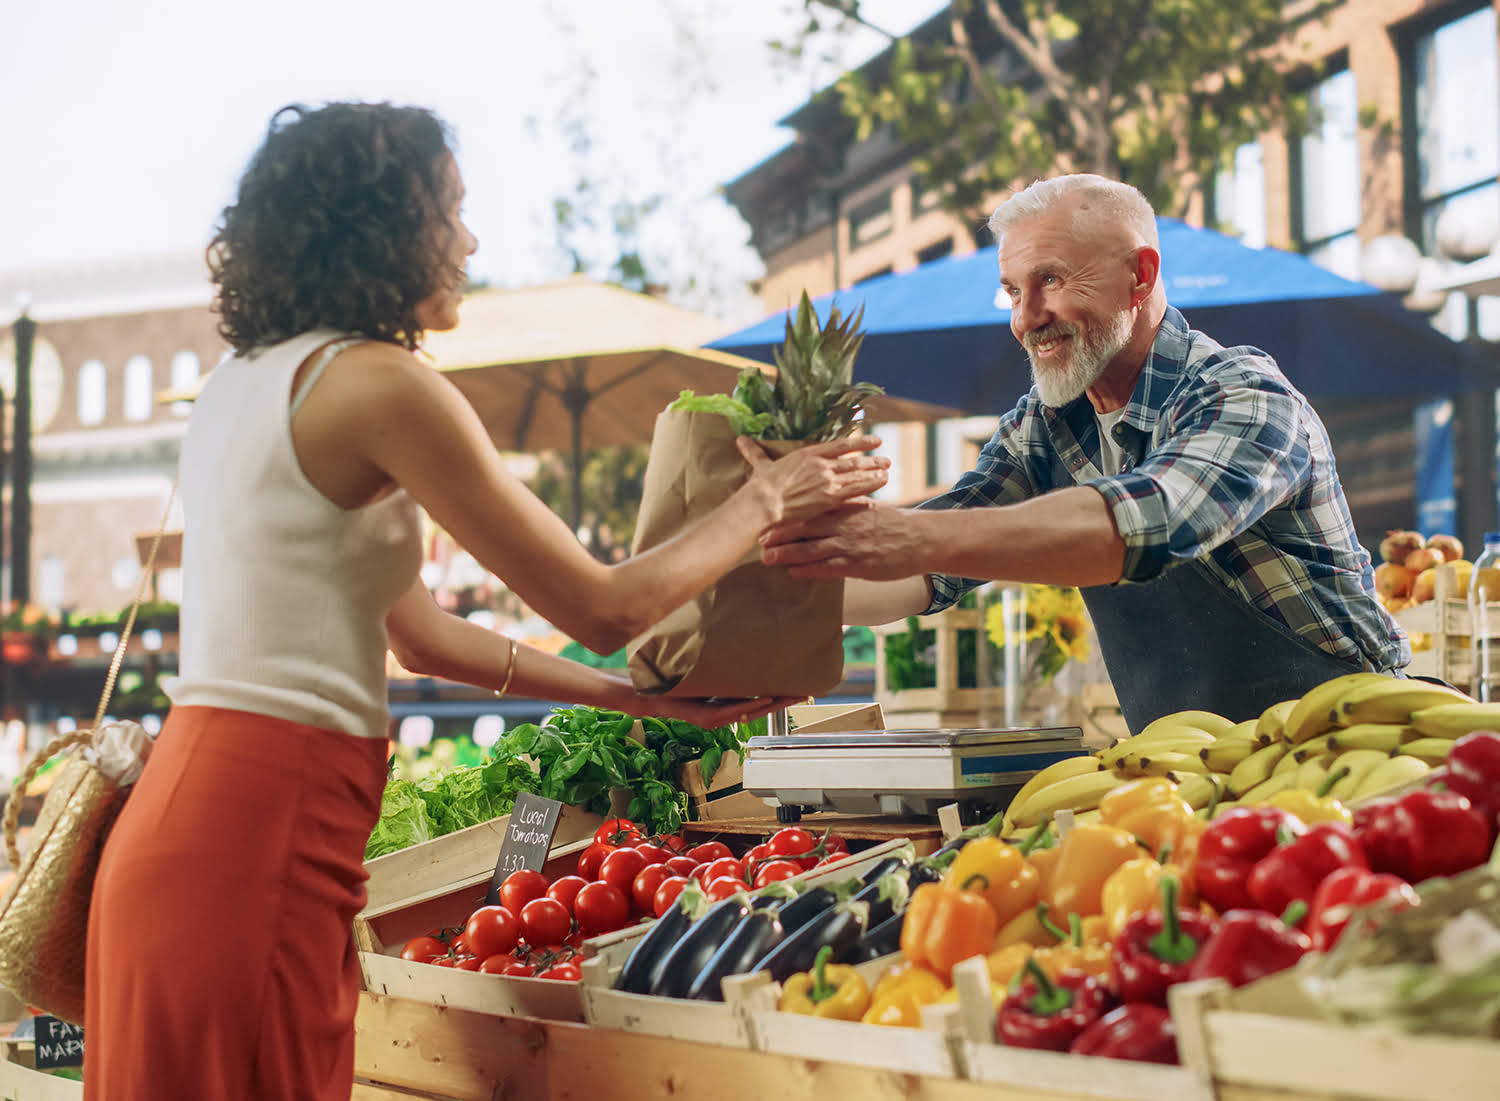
284 593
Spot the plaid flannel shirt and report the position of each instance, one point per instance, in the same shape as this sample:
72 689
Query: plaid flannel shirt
1226 464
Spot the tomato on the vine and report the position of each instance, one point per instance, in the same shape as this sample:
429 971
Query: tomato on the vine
491 930
725 866
591 857
667 894
643 890
773 871
545 921
621 867
793 842
601 908
834 843
468 963
673 842
520 887
424 949
506 964
756 854
566 971
654 853
565 889
708 851
681 865
618 831
720 889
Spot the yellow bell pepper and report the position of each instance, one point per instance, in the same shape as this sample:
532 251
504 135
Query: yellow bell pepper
1088 856
837 992
1316 806
1144 808
1096 930
1072 952
1001 875
900 1001
1135 888
1025 928
1045 863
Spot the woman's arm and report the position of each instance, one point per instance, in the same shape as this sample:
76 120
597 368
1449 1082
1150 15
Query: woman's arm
429 641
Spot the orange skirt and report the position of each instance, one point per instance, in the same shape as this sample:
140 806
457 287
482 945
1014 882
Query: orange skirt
221 962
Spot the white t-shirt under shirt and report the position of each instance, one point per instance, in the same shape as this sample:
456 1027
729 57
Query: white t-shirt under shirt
284 593
1112 455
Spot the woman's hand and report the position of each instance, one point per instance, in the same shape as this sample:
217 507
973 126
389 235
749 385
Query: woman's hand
815 478
708 714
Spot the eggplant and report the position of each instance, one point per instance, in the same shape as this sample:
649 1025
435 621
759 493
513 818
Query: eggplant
640 971
881 940
884 867
886 896
806 906
750 940
921 872
685 959
840 927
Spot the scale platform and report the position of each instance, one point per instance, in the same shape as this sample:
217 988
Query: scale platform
903 772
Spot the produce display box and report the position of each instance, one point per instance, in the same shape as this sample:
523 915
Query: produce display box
1266 1037
723 798
22 1083
946 704
1445 620
721 1023
456 858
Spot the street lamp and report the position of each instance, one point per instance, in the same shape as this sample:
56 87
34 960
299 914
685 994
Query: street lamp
1395 264
20 494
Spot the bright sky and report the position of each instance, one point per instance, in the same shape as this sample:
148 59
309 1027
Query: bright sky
125 123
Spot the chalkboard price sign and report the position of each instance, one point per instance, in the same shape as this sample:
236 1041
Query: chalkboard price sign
58 1043
528 836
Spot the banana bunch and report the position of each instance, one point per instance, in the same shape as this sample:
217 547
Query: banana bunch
1074 783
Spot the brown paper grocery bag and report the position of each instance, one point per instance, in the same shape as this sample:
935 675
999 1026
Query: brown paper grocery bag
757 631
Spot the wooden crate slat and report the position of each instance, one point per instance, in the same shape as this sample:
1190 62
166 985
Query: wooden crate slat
498 995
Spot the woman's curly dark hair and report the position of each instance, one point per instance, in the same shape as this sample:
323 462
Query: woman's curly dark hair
339 223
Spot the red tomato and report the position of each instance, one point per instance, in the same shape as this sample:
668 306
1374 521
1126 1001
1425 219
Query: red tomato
793 841
834 843
520 888
591 857
459 946
699 874
546 921
621 867
654 854
618 831
643 890
773 871
566 971
721 888
601 908
445 961
725 866
491 930
424 949
681 865
674 842
667 893
831 858
468 963
757 853
506 964
566 888
709 850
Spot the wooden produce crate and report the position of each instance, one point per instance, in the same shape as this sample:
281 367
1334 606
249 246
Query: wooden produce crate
21 1083
982 1059
380 933
947 704
1264 1037
722 1023
455 858
1445 621
724 797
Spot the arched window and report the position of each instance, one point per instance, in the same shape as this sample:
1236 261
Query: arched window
92 392
137 388
185 370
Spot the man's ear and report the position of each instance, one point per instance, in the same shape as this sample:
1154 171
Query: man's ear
1147 271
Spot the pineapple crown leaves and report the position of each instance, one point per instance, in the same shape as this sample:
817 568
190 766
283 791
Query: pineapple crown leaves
814 396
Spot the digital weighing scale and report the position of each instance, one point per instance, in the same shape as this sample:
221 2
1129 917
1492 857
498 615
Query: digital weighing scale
902 772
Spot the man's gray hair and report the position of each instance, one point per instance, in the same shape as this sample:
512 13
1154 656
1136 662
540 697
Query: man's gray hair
1099 200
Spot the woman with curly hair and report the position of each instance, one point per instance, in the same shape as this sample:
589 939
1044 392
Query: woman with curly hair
220 959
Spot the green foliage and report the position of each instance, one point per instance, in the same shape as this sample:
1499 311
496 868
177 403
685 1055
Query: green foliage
613 481
1151 92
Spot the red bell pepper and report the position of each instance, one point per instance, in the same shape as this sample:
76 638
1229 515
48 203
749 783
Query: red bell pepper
1476 757
1050 1014
1423 834
1293 871
1345 891
1144 1033
1251 944
1231 846
1155 949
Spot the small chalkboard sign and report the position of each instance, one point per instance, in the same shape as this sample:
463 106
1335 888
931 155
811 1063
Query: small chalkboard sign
528 837
58 1043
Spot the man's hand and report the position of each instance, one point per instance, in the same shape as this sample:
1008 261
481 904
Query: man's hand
875 543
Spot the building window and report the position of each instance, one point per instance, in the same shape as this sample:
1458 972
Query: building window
876 274
923 198
1239 197
50 583
870 220
185 370
1326 177
936 251
92 392
137 388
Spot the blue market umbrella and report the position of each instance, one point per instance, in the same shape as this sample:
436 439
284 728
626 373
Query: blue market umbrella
940 333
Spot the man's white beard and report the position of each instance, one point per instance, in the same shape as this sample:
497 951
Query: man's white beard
1088 356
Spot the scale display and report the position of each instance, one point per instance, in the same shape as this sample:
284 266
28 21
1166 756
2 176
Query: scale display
903 772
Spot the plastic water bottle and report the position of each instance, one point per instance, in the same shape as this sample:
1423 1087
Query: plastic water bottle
1484 592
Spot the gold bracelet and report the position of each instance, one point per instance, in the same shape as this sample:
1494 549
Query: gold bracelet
510 669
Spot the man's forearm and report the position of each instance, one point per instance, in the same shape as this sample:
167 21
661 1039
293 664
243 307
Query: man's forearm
871 602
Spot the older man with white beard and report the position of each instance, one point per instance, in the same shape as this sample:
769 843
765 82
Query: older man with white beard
1188 489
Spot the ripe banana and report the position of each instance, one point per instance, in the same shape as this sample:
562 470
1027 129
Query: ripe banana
1124 753
1315 712
1255 769
1359 763
1227 752
1382 736
1288 763
1197 789
1432 750
1392 700
1076 793
1313 747
1454 720
1057 770
1395 772
1267 788
1162 764
1273 719
1206 721
1312 772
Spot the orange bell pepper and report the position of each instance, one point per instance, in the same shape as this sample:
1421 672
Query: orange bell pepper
1087 857
1002 875
945 925
1073 954
1149 809
1045 862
